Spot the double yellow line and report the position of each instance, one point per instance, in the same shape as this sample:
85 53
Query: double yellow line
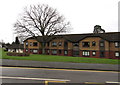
62 69
47 82
42 79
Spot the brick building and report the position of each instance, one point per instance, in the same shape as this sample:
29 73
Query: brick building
94 45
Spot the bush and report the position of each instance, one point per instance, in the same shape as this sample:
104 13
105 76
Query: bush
18 54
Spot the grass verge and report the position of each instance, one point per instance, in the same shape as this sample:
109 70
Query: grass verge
52 58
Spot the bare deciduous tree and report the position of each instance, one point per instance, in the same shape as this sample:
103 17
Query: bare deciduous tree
41 20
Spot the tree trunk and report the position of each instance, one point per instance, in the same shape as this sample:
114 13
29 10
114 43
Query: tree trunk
43 48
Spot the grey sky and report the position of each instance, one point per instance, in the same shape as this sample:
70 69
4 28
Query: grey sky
83 14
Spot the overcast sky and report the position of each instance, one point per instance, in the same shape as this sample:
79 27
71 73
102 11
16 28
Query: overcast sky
82 14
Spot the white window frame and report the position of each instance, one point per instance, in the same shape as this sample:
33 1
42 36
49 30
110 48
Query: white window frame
65 52
60 43
31 44
35 51
93 53
54 52
48 51
54 44
26 43
86 53
26 50
117 54
101 44
116 44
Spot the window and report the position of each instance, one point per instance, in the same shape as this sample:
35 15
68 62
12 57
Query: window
30 43
86 44
117 54
86 53
65 44
60 43
35 51
117 44
65 52
93 43
60 51
26 43
26 50
75 53
101 43
54 52
48 51
54 44
30 50
93 53
75 44
35 44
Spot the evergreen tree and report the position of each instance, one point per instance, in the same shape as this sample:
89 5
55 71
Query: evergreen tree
17 40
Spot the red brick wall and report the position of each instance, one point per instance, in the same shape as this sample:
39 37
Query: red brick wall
96 56
40 51
112 55
70 53
27 51
62 52
107 54
24 50
80 53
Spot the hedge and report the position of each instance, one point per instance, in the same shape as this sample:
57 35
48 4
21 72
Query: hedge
17 54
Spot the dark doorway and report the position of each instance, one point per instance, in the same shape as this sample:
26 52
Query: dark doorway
102 54
76 53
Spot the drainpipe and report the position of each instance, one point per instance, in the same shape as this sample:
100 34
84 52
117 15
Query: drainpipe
109 49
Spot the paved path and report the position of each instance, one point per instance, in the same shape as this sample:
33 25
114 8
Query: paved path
63 65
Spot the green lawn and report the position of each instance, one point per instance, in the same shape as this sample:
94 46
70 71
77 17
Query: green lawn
52 58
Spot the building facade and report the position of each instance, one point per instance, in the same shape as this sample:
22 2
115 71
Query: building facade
101 45
18 48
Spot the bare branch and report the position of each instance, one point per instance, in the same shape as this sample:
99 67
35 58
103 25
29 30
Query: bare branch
40 20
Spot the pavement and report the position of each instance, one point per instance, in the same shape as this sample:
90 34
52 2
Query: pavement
59 65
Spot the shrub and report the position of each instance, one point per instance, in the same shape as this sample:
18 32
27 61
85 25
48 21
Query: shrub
17 54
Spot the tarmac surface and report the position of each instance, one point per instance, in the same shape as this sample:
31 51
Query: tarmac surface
40 75
92 74
59 65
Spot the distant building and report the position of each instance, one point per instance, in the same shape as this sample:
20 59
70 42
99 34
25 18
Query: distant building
93 45
5 46
18 48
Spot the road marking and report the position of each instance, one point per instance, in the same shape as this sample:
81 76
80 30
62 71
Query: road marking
61 69
44 79
112 82
109 82
93 83
46 82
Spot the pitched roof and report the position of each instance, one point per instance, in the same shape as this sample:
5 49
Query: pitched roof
110 36
16 46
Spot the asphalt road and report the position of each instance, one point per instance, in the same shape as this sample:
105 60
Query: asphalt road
39 75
